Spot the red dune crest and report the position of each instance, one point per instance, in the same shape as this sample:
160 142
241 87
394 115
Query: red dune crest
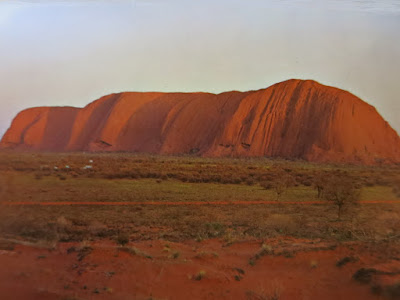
299 119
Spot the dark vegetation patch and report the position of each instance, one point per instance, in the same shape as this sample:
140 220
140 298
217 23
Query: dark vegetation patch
192 169
83 252
346 260
364 275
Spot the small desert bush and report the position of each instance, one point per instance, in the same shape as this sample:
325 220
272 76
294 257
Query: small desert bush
214 229
341 191
268 185
200 275
175 254
62 177
282 180
396 189
122 239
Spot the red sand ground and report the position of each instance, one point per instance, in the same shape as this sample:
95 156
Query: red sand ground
106 273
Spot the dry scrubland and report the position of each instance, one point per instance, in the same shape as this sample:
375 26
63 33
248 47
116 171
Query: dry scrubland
144 178
372 222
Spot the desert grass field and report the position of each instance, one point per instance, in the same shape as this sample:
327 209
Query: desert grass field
136 226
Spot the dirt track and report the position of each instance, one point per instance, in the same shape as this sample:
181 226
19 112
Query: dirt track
110 203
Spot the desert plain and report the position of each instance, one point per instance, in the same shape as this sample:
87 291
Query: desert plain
141 226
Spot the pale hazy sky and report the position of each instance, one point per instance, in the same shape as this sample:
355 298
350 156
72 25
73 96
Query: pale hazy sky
73 52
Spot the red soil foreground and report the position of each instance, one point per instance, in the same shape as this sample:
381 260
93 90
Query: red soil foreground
166 270
61 203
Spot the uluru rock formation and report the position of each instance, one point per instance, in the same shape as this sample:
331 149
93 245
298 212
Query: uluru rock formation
293 119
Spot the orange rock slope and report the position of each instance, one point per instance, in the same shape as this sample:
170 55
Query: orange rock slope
292 119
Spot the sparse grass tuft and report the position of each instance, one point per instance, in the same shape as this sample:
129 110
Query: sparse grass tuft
313 264
134 251
200 275
84 250
205 254
265 250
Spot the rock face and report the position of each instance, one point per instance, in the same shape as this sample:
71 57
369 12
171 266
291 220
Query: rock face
292 119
